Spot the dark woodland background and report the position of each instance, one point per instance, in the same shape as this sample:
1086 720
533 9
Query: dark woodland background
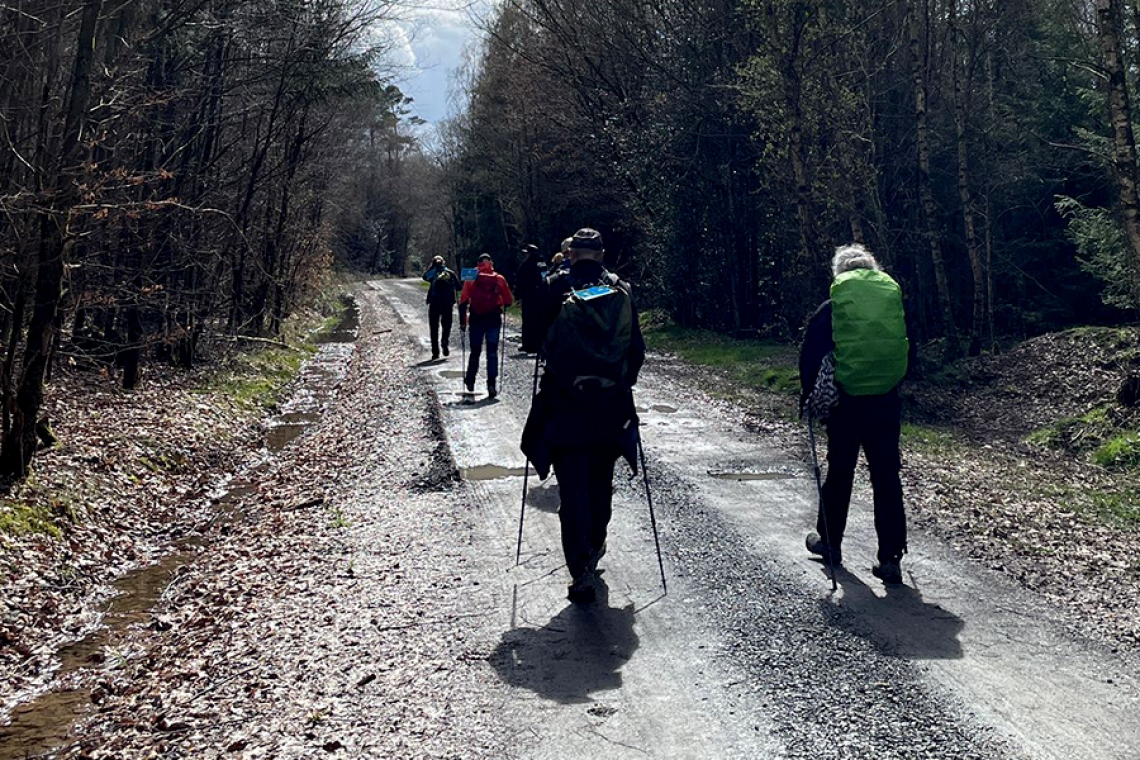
172 171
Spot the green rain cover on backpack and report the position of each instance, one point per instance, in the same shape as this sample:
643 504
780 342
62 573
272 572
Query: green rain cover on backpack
587 347
869 331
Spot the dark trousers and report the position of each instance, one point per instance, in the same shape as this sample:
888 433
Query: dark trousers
483 326
873 423
532 334
439 316
585 489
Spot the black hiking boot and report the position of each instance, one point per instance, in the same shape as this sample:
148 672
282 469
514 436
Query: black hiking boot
581 590
889 572
445 351
492 391
469 385
816 546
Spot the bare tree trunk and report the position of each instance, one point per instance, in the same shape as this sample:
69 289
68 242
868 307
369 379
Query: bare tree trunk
920 22
1108 18
55 243
959 60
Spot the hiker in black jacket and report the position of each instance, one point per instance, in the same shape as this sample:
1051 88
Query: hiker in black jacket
443 285
581 425
528 284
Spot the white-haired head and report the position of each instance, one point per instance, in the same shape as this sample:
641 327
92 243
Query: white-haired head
852 256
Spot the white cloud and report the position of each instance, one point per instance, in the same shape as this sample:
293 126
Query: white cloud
427 47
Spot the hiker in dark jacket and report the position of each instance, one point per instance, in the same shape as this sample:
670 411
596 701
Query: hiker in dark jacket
528 283
867 413
581 430
485 297
443 287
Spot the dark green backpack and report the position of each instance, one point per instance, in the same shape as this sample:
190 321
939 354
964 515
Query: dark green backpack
869 331
587 347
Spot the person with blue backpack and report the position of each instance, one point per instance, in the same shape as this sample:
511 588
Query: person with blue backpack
443 287
853 358
583 417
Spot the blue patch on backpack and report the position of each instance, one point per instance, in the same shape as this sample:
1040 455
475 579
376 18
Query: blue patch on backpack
593 292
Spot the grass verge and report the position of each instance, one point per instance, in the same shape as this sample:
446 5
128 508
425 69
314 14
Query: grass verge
753 364
256 378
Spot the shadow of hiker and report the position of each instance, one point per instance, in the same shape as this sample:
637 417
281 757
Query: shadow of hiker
468 402
544 496
898 625
580 651
431 362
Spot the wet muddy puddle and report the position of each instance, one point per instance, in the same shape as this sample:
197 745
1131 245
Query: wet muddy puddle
749 476
492 472
659 408
44 723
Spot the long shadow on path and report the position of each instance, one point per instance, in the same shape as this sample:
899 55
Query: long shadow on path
580 651
901 624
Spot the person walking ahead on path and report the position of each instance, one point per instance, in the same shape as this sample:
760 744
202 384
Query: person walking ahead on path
858 337
440 300
583 417
528 282
485 297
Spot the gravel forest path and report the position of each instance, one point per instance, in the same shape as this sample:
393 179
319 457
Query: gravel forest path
367 604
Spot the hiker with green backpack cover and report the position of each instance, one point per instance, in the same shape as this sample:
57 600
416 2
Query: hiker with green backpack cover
582 419
853 358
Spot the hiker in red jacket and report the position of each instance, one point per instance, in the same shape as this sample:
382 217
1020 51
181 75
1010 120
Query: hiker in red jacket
485 297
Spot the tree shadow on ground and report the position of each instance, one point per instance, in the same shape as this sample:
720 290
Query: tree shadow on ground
901 624
580 651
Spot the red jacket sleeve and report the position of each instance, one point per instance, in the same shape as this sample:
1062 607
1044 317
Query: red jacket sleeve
505 292
465 295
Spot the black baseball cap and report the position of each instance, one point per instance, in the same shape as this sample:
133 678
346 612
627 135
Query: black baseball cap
587 239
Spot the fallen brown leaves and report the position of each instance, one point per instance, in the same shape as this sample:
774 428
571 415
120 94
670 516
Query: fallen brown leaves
129 477
319 622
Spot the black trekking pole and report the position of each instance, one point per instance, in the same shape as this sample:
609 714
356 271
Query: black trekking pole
822 512
502 348
652 516
526 469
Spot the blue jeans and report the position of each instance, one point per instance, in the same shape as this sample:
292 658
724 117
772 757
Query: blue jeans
483 326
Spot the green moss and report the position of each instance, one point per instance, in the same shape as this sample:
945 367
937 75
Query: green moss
20 519
259 377
161 461
1120 451
1117 507
1077 434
